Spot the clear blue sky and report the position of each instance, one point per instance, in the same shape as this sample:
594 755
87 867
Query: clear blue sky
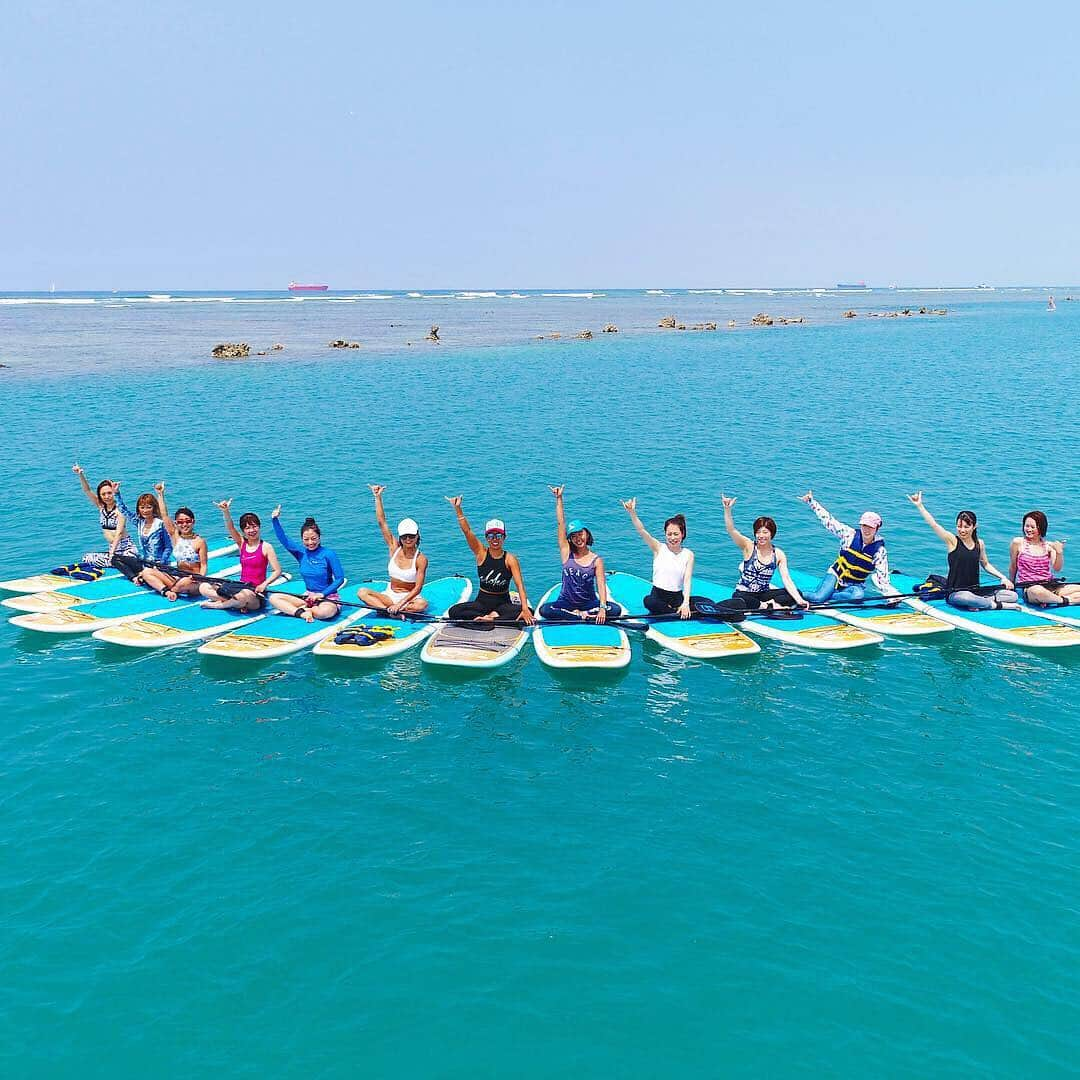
241 145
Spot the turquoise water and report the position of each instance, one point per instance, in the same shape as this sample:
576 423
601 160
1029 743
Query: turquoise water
795 864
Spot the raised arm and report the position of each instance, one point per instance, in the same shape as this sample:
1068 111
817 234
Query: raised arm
166 519
291 546
845 532
989 567
88 491
234 533
471 538
560 522
744 543
514 567
943 534
630 506
380 516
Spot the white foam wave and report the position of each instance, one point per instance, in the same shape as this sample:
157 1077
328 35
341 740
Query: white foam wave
415 295
15 301
656 292
706 292
573 295
476 295
518 296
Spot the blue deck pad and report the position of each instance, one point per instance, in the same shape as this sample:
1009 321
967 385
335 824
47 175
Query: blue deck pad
440 594
1003 620
292 627
193 616
630 591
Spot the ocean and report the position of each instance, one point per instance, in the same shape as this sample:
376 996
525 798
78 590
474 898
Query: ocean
798 864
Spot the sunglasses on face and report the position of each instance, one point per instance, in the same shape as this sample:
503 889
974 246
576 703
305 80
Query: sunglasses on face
185 521
494 535
407 536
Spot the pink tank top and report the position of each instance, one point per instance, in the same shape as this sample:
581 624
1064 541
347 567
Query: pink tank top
1033 567
253 564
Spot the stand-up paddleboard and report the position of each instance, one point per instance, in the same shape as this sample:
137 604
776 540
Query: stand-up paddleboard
703 639
807 629
111 584
1026 627
461 645
97 614
280 635
580 645
187 623
378 636
900 620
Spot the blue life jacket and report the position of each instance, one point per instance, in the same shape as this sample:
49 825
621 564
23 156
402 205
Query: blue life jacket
855 563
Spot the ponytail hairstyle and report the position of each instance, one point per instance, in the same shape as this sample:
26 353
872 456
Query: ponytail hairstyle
968 518
678 520
249 519
1040 522
101 484
311 524
767 523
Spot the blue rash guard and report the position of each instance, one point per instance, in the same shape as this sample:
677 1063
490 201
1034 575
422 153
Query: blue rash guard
320 569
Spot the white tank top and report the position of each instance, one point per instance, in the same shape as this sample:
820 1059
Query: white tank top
669 569
396 573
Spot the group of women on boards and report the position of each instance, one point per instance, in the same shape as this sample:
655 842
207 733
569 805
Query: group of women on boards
164 552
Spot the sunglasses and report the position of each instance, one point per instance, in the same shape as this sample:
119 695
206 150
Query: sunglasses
185 521
408 536
492 535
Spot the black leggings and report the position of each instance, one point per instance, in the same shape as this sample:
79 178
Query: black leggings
665 602
555 611
484 604
751 601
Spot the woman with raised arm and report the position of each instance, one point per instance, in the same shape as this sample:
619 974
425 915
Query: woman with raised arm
189 551
967 553
761 560
113 527
862 554
150 535
1034 558
583 594
495 568
319 567
259 566
407 567
673 565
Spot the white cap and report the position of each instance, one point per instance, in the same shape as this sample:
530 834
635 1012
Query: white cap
408 527
495 525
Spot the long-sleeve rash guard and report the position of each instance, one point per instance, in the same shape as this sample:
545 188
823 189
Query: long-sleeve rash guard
320 569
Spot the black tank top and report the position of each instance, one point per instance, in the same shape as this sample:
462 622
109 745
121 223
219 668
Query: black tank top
963 567
494 574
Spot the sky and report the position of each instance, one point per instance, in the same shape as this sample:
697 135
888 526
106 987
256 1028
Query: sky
480 145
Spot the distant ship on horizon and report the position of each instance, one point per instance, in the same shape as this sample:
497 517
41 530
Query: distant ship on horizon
295 286
851 285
